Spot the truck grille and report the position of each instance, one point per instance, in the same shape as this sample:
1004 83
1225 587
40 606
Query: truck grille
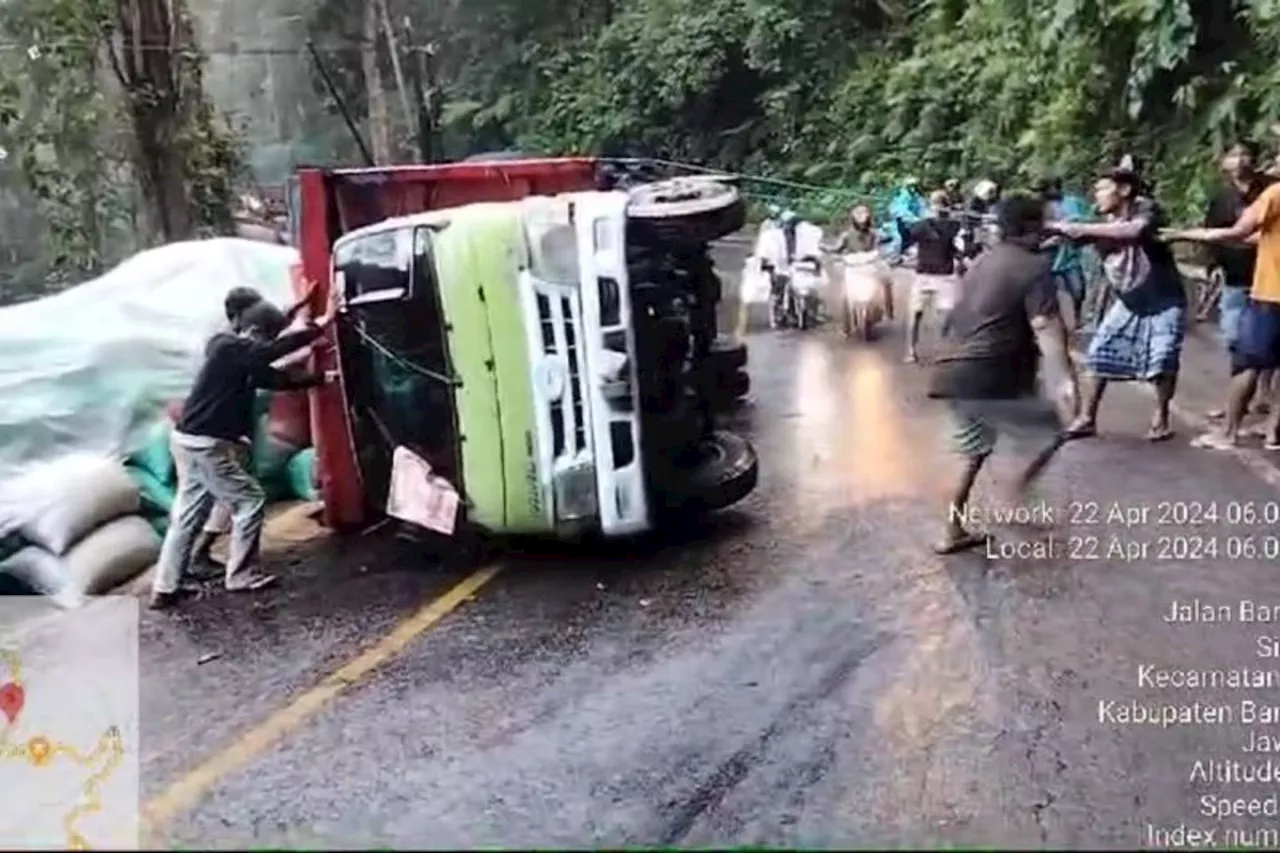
559 326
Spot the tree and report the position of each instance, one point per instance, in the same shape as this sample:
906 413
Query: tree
185 155
108 169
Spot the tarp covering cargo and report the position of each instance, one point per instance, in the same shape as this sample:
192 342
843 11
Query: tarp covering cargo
90 369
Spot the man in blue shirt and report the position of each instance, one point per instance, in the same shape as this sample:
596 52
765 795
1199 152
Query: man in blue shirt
1068 266
906 208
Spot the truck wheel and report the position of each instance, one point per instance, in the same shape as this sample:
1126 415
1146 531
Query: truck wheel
723 389
726 473
685 211
726 355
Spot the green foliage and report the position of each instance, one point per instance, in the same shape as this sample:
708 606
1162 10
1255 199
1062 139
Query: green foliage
53 123
860 94
68 143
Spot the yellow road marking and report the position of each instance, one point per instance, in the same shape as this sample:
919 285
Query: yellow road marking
187 791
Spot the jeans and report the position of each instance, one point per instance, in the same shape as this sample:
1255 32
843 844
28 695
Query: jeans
211 471
1232 302
1071 281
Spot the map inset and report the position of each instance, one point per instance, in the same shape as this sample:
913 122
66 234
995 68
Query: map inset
69 697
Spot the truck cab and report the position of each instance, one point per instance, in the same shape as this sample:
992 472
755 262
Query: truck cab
527 351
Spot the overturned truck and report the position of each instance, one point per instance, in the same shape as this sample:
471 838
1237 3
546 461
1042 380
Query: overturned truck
547 347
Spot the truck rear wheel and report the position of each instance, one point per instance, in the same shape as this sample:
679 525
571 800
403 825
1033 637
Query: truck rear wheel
725 474
724 390
685 211
726 355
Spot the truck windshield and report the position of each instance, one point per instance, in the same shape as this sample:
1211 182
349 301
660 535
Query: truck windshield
395 356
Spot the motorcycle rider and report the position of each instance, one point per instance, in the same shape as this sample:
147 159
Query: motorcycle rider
985 197
906 208
938 249
861 235
955 197
976 232
767 260
797 242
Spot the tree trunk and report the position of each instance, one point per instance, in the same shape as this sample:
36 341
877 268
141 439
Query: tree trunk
379 131
147 59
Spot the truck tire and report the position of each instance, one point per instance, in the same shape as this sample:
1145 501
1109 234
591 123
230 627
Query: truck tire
726 474
728 389
684 211
679 427
726 355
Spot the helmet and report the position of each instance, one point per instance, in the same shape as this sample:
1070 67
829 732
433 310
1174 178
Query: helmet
985 189
774 210
790 216
911 181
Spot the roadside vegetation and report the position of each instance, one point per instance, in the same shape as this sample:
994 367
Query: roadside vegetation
129 122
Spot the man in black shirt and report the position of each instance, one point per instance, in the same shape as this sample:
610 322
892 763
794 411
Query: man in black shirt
1005 321
216 418
238 300
1244 184
937 248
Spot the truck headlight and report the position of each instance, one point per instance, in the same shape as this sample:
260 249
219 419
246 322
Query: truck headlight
575 493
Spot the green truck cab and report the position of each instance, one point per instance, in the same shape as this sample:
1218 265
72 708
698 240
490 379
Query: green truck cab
544 355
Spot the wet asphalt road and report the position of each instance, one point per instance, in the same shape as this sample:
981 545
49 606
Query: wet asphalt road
805 672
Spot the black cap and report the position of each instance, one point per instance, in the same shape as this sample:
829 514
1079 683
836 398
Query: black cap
240 299
265 318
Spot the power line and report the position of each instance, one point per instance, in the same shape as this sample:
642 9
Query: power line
36 49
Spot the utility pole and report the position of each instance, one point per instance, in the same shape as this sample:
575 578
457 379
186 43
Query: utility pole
396 65
417 73
375 95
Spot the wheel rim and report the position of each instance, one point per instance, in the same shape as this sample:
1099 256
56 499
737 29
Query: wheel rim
712 451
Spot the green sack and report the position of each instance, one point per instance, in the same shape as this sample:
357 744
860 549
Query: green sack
302 475
154 456
270 463
157 496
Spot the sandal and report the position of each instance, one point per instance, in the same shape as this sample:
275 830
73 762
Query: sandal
1076 431
1213 441
1155 435
966 542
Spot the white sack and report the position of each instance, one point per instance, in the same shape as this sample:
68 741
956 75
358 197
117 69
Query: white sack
55 504
45 574
114 554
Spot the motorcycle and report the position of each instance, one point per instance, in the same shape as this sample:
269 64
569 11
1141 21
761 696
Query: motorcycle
796 293
808 280
867 294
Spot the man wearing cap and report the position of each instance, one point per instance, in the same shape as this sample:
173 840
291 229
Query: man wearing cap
238 300
207 442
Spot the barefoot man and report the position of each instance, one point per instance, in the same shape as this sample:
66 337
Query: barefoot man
1006 319
1258 344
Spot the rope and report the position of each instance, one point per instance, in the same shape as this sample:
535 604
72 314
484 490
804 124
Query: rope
451 381
742 176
